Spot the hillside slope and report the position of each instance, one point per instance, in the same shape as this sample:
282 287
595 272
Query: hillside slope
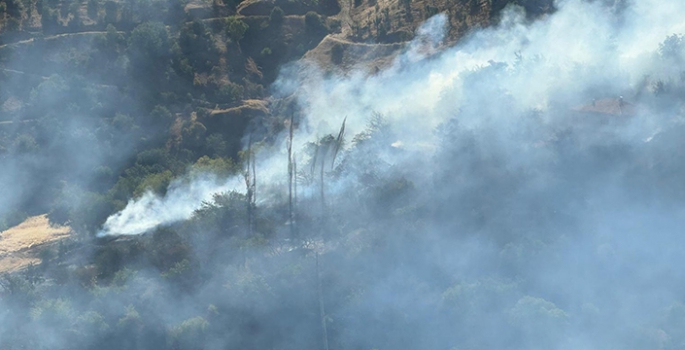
21 246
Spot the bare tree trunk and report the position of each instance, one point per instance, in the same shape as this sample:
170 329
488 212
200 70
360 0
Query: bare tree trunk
253 205
323 198
294 211
325 152
250 188
322 310
338 142
318 272
254 179
249 185
290 180
295 180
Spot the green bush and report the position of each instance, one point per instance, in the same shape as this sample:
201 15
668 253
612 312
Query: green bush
14 8
231 92
157 183
149 40
216 144
337 52
161 116
276 16
93 8
190 334
111 10
235 28
335 25
26 143
314 23
13 24
219 166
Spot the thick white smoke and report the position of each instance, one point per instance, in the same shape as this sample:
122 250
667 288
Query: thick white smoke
584 51
149 211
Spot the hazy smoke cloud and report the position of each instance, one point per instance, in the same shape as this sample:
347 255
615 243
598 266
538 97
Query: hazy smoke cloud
532 176
581 53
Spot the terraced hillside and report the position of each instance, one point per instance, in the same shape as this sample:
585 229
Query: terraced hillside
154 87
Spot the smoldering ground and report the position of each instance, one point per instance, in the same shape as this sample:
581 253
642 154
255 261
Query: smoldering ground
520 190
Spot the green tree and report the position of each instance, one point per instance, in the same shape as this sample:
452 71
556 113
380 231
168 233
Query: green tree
276 16
150 39
13 24
313 23
14 8
157 183
190 334
93 8
150 55
48 20
161 116
111 10
25 143
197 45
193 135
235 28
673 47
216 145
219 166
231 92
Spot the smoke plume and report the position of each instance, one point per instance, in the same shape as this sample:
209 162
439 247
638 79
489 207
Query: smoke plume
522 189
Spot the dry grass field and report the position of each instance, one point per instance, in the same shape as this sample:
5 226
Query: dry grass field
20 245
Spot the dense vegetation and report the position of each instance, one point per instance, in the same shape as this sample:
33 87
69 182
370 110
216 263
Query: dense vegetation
489 242
143 83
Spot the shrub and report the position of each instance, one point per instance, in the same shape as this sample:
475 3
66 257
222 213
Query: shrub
160 115
231 92
157 183
13 24
335 25
672 47
216 144
25 143
149 40
314 23
14 8
276 16
190 334
337 52
167 249
93 8
219 166
235 28
193 135
111 12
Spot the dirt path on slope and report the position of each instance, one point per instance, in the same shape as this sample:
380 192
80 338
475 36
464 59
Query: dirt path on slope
57 36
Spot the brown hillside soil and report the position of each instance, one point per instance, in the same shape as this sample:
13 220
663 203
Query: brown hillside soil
20 245
353 54
374 31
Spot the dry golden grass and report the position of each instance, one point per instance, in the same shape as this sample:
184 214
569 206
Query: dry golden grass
20 245
248 105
